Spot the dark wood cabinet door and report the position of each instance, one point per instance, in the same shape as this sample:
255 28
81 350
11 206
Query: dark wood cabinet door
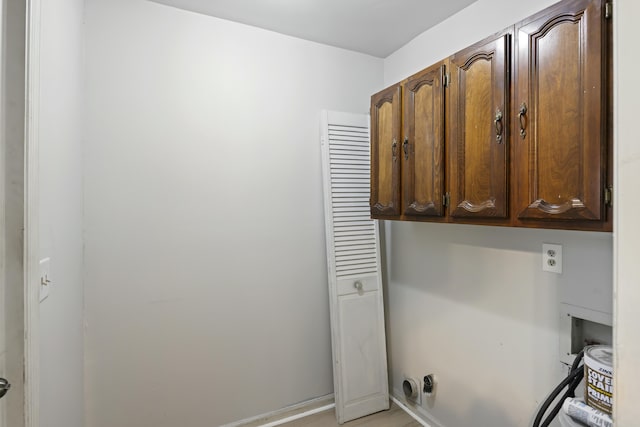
385 152
559 113
478 129
423 144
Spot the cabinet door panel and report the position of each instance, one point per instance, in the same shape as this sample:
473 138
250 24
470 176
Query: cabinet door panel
478 130
423 146
561 148
385 152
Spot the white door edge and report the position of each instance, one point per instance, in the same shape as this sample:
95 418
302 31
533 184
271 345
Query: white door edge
31 216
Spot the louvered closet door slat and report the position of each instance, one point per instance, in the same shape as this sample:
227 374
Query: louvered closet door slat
353 245
353 207
352 229
341 177
347 231
344 207
359 209
355 146
348 265
362 199
351 234
342 223
349 166
356 252
357 151
363 255
353 261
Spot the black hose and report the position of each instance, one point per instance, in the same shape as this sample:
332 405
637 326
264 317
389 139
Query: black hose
579 373
572 380
543 409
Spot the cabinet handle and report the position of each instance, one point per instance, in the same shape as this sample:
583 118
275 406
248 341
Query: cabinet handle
523 120
405 148
498 123
358 285
394 149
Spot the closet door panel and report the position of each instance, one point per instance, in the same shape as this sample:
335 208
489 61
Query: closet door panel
354 270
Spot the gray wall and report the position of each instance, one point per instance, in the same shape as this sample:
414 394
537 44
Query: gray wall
60 115
471 304
206 295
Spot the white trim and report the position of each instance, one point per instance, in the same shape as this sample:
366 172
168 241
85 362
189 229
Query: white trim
617 185
299 408
31 216
423 416
3 223
410 412
626 269
298 416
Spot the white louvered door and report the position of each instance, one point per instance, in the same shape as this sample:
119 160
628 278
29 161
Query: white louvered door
353 259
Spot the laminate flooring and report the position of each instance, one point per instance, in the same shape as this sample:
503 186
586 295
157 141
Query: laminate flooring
394 417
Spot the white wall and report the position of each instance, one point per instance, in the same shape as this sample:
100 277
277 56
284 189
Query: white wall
470 25
206 295
470 303
627 268
60 115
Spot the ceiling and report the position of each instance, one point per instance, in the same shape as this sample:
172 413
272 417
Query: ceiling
374 27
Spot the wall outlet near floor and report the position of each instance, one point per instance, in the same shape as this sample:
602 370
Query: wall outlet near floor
429 385
552 258
45 278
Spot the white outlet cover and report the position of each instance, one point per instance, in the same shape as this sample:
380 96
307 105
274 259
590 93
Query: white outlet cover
45 277
552 258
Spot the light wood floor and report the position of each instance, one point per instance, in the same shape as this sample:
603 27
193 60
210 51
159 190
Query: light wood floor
394 417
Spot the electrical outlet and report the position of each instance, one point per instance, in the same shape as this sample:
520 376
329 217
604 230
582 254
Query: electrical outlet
45 278
552 258
428 385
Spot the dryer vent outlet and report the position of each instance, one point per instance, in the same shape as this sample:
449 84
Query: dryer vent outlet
411 390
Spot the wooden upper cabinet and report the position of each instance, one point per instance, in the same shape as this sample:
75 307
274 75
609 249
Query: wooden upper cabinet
559 113
385 152
478 129
519 132
423 143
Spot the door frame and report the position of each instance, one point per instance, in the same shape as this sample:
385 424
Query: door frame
626 269
32 216
20 75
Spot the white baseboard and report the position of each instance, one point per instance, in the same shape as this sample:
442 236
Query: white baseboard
416 412
290 413
410 412
324 403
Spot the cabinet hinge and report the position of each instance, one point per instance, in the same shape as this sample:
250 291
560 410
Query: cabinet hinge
445 199
608 196
446 78
608 10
